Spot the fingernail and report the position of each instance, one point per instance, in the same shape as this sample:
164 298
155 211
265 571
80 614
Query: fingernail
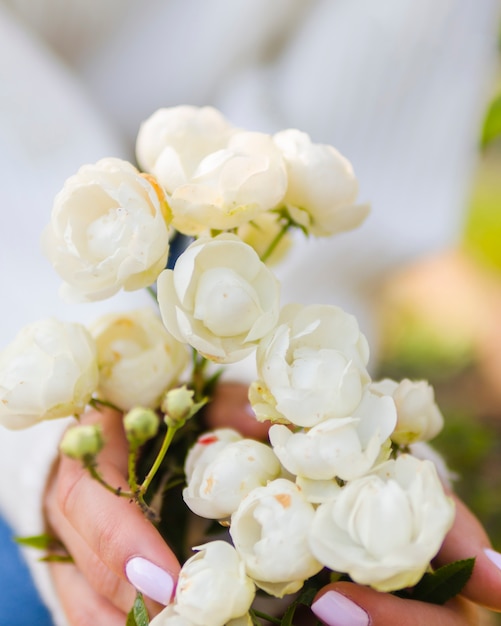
493 556
249 410
335 609
150 579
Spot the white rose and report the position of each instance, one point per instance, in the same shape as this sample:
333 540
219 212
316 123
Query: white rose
206 449
322 187
172 142
216 488
231 186
138 359
213 587
312 366
108 231
48 371
220 298
269 530
345 447
169 617
418 416
384 529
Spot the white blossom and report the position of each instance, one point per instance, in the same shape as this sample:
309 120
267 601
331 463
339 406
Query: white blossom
322 187
169 617
231 186
48 371
343 447
383 529
213 587
217 486
311 367
108 231
138 359
172 142
220 298
418 416
269 530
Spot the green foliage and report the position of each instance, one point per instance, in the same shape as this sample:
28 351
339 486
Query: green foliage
39 542
138 615
445 583
491 129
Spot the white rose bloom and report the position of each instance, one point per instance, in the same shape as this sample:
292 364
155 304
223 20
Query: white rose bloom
138 359
312 366
418 416
384 529
213 587
343 447
231 186
206 449
172 142
48 371
216 488
108 231
220 298
169 617
322 187
269 530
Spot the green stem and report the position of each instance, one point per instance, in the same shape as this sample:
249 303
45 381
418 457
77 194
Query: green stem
97 476
169 435
275 241
152 293
268 618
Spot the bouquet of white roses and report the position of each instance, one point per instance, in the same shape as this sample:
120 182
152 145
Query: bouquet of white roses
337 490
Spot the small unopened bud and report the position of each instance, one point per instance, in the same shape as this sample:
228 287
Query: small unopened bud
178 406
140 425
82 442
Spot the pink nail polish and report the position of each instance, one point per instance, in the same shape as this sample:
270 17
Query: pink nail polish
249 410
493 556
150 579
335 609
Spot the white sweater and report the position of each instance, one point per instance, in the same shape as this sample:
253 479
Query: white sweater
398 86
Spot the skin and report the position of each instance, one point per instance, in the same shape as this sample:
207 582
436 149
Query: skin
94 590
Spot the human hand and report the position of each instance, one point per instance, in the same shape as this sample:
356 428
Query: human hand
114 548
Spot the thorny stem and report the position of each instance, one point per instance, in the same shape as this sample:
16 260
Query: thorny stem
118 491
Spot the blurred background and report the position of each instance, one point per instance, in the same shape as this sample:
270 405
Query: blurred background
408 91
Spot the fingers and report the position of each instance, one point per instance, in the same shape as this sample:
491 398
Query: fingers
110 539
230 408
346 603
81 604
467 539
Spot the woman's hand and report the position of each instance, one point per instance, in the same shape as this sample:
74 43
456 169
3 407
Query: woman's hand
114 548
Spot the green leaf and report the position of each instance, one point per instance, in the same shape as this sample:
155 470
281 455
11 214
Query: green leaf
57 558
306 596
138 615
444 583
492 123
40 542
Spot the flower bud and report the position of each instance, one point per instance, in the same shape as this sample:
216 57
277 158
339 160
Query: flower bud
140 425
82 442
178 406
